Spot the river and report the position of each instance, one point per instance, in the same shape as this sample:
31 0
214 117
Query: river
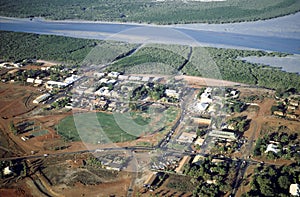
227 36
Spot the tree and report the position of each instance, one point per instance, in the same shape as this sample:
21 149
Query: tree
257 151
284 182
13 128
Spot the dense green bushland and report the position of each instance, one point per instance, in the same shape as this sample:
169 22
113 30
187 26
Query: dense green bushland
165 12
238 70
146 58
20 46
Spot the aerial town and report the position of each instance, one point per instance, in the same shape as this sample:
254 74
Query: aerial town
149 98
179 126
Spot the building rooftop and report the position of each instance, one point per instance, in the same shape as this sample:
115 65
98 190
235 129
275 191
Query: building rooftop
223 134
186 137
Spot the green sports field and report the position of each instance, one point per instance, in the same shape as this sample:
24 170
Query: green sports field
111 128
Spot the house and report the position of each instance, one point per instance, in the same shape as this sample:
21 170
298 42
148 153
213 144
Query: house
41 98
278 113
38 81
186 137
45 68
211 182
103 80
273 148
223 134
30 80
290 107
217 160
123 77
291 116
185 160
7 171
295 189
72 79
172 93
113 74
202 121
112 81
234 94
294 103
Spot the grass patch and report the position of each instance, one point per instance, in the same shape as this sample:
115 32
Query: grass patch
39 133
93 128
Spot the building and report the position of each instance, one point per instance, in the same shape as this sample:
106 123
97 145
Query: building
217 160
103 80
146 79
172 93
202 121
290 107
72 79
185 160
223 134
202 106
123 77
55 84
113 74
197 159
104 91
41 98
30 80
211 182
112 81
7 171
278 113
295 189
135 78
114 166
99 75
294 103
38 81
199 141
154 180
272 148
291 116
186 137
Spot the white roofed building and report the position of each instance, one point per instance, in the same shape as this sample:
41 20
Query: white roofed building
295 189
